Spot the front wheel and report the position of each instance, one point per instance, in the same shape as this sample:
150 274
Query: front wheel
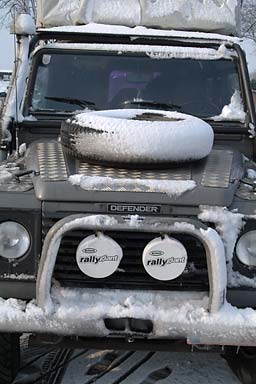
9 357
243 363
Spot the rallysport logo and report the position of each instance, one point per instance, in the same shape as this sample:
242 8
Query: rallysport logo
163 262
97 259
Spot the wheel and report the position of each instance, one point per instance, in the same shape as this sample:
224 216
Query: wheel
9 357
136 136
243 363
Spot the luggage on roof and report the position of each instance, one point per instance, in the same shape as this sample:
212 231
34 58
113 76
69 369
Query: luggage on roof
208 15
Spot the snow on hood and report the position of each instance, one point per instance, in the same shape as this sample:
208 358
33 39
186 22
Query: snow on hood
233 111
173 188
137 135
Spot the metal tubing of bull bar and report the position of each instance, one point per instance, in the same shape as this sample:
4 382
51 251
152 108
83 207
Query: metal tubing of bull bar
215 253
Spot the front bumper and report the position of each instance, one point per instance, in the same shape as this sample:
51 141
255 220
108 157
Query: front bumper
199 318
185 316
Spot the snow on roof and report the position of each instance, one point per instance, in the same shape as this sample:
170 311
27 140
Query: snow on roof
94 28
155 52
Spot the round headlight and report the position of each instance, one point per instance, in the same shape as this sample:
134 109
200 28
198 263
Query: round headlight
246 249
14 240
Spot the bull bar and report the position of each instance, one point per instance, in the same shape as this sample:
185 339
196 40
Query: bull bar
198 317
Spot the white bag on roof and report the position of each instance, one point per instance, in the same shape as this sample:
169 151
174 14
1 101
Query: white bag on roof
202 15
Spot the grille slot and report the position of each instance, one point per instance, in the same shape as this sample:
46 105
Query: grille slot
131 273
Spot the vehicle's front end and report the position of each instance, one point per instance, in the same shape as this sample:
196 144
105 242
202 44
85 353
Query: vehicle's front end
146 250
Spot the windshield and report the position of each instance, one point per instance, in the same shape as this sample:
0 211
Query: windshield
71 81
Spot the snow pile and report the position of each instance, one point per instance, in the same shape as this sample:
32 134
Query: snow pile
232 111
172 188
209 15
229 225
148 136
171 367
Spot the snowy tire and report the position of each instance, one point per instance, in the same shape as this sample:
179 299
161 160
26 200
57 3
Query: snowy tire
137 136
9 357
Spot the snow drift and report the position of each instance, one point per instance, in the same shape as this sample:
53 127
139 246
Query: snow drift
207 15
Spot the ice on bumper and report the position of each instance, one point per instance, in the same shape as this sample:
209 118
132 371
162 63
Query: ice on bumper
82 313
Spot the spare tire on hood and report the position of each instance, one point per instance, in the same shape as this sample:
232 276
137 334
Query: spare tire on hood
137 136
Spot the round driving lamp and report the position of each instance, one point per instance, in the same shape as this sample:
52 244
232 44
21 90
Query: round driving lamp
246 249
14 240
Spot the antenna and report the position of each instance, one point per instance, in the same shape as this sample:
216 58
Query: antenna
15 85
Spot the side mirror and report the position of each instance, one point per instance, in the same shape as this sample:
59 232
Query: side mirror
24 25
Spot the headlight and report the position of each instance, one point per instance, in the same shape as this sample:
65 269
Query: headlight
246 249
14 240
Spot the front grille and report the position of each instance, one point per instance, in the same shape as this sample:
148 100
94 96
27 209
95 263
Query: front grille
131 273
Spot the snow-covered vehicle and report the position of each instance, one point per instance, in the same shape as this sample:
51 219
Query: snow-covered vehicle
121 221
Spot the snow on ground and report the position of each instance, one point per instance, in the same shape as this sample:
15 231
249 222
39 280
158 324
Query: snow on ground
143 367
87 366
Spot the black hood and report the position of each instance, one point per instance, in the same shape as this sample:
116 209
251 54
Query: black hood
216 178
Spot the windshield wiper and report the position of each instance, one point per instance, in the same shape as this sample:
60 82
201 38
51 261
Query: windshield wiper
149 103
70 100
